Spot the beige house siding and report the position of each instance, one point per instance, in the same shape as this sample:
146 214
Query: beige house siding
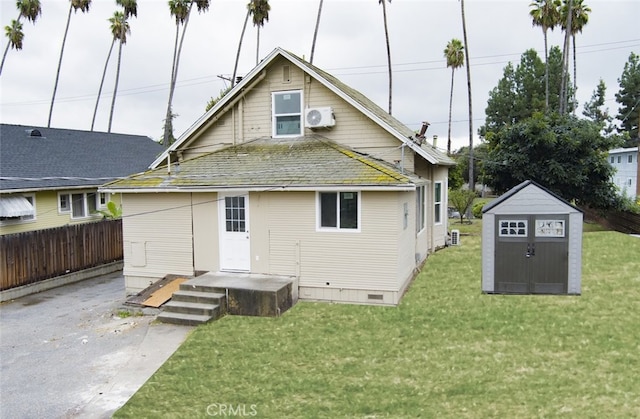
157 235
205 233
250 119
47 214
440 174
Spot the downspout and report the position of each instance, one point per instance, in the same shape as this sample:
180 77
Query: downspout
193 240
433 217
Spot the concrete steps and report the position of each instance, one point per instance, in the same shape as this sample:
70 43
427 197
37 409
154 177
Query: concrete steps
194 305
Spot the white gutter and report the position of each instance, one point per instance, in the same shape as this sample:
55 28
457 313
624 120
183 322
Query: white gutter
265 188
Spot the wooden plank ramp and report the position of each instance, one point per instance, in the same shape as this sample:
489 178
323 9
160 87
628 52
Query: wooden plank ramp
164 294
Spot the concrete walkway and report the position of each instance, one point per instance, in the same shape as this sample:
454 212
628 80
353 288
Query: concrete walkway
66 353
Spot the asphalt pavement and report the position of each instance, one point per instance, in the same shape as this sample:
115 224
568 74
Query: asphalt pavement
66 352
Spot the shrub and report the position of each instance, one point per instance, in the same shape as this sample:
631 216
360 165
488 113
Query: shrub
477 209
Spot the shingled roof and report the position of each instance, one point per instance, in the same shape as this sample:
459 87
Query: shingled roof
33 158
308 162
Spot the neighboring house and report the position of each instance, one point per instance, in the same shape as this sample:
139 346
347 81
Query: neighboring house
49 177
625 161
292 173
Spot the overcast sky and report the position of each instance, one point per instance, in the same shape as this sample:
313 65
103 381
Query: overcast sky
350 45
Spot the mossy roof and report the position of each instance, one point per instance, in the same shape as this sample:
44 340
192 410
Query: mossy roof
303 162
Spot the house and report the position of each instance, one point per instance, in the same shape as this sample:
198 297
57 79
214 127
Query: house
292 173
625 161
49 177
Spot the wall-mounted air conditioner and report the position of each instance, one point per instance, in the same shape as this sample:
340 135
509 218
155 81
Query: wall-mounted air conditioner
455 237
319 117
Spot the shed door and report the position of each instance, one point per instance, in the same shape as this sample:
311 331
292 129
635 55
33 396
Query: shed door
235 246
532 254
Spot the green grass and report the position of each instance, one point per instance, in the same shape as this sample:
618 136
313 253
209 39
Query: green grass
447 351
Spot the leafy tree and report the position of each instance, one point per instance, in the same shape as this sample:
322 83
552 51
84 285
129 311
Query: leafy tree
212 102
260 13
181 10
593 109
83 6
461 200
455 177
629 99
565 154
521 92
29 9
479 157
546 14
386 35
454 53
315 32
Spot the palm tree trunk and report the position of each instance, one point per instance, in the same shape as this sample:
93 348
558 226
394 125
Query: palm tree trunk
104 73
4 56
235 67
55 86
386 34
575 76
472 185
168 126
315 32
115 89
565 61
450 106
257 44
546 73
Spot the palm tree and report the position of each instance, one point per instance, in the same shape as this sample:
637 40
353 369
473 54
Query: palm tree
454 53
83 6
181 10
130 9
244 28
119 28
315 32
546 14
259 9
29 9
579 19
472 186
386 34
564 81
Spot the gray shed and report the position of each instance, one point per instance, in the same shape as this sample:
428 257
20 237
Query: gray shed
531 243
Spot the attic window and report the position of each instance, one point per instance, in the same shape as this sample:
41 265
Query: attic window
34 133
287 113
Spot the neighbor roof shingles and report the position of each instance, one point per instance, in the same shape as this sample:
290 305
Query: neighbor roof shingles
69 158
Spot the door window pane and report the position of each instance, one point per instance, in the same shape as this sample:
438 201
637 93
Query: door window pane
235 213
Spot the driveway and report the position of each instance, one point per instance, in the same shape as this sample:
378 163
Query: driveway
66 352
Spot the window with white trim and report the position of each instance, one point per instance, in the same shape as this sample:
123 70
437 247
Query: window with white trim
103 199
338 210
31 217
437 203
287 113
64 203
513 228
420 208
83 204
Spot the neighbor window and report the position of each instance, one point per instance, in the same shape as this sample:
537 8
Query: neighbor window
287 114
612 159
629 182
420 209
10 219
630 160
338 210
64 202
103 199
437 200
619 159
83 204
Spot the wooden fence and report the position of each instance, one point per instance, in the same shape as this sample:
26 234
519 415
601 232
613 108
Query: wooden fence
622 221
33 256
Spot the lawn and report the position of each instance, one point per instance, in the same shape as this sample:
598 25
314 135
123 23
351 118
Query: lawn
446 351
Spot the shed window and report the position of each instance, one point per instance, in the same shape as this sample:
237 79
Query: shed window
437 200
287 114
338 210
513 228
550 228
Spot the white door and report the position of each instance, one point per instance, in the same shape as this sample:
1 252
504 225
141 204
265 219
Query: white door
235 248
